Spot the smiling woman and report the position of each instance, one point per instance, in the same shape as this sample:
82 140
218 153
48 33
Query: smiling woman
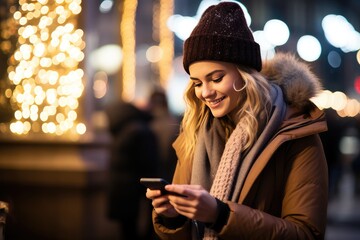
216 87
237 165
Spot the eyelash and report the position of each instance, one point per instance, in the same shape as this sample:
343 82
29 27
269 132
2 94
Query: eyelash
217 80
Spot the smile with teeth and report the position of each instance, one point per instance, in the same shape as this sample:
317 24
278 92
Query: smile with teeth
214 102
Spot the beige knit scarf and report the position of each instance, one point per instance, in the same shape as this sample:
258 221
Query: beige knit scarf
230 160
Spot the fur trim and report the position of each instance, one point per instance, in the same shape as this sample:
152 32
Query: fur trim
295 78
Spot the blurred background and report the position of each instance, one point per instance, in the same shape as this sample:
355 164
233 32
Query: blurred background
63 62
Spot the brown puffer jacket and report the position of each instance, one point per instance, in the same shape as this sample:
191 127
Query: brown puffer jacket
284 195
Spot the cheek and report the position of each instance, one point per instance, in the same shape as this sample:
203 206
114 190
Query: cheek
226 86
234 98
198 93
229 90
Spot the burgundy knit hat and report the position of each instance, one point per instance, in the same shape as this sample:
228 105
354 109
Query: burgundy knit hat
222 35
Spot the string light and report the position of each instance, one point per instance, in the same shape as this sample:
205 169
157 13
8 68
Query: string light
163 54
127 33
44 69
166 41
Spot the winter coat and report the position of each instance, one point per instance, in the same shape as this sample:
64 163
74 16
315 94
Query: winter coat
284 193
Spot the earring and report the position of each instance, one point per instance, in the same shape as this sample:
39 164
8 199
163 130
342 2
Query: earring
239 90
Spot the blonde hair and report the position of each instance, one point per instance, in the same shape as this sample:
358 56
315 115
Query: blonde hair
257 102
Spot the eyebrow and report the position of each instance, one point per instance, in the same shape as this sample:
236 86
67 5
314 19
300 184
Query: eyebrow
207 75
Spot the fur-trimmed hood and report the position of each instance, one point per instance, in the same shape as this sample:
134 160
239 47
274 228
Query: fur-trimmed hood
295 78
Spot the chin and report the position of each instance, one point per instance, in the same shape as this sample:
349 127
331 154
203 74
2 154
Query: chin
217 114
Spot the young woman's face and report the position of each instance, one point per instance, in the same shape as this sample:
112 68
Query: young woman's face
213 83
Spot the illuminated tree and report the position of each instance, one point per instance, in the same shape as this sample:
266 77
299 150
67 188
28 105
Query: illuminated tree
46 81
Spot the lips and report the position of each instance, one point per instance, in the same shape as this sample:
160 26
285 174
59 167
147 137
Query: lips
215 102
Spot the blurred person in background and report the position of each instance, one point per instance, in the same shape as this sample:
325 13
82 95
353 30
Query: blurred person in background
250 160
166 127
133 154
331 141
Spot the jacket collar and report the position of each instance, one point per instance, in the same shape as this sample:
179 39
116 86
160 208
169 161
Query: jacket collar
295 78
294 126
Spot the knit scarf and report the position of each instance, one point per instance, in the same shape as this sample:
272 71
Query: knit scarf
226 171
232 168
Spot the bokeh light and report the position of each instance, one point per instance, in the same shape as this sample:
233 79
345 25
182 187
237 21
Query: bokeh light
345 106
154 54
357 84
111 58
44 70
277 32
334 59
340 33
309 48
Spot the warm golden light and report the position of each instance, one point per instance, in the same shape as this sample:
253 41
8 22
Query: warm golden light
154 54
338 101
44 70
127 33
166 41
100 84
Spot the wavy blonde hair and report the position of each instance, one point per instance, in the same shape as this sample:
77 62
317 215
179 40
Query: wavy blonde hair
256 106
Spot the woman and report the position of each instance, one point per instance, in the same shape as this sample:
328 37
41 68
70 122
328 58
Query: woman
250 161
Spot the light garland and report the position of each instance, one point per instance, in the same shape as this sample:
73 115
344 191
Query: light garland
44 69
127 33
166 42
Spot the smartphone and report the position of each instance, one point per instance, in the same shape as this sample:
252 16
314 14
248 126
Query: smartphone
157 184
154 183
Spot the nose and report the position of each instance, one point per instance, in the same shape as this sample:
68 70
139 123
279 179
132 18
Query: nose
207 91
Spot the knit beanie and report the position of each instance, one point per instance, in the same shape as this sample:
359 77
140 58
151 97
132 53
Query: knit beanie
222 35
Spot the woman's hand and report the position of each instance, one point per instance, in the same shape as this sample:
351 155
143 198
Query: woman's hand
197 205
161 203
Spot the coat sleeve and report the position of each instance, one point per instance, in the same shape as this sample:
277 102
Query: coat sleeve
182 175
164 233
303 203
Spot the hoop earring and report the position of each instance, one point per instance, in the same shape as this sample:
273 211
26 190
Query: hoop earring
239 90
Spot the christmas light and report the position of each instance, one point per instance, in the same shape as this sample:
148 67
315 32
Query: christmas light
44 74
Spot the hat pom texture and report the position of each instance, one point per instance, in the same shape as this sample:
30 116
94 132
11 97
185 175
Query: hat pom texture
222 34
